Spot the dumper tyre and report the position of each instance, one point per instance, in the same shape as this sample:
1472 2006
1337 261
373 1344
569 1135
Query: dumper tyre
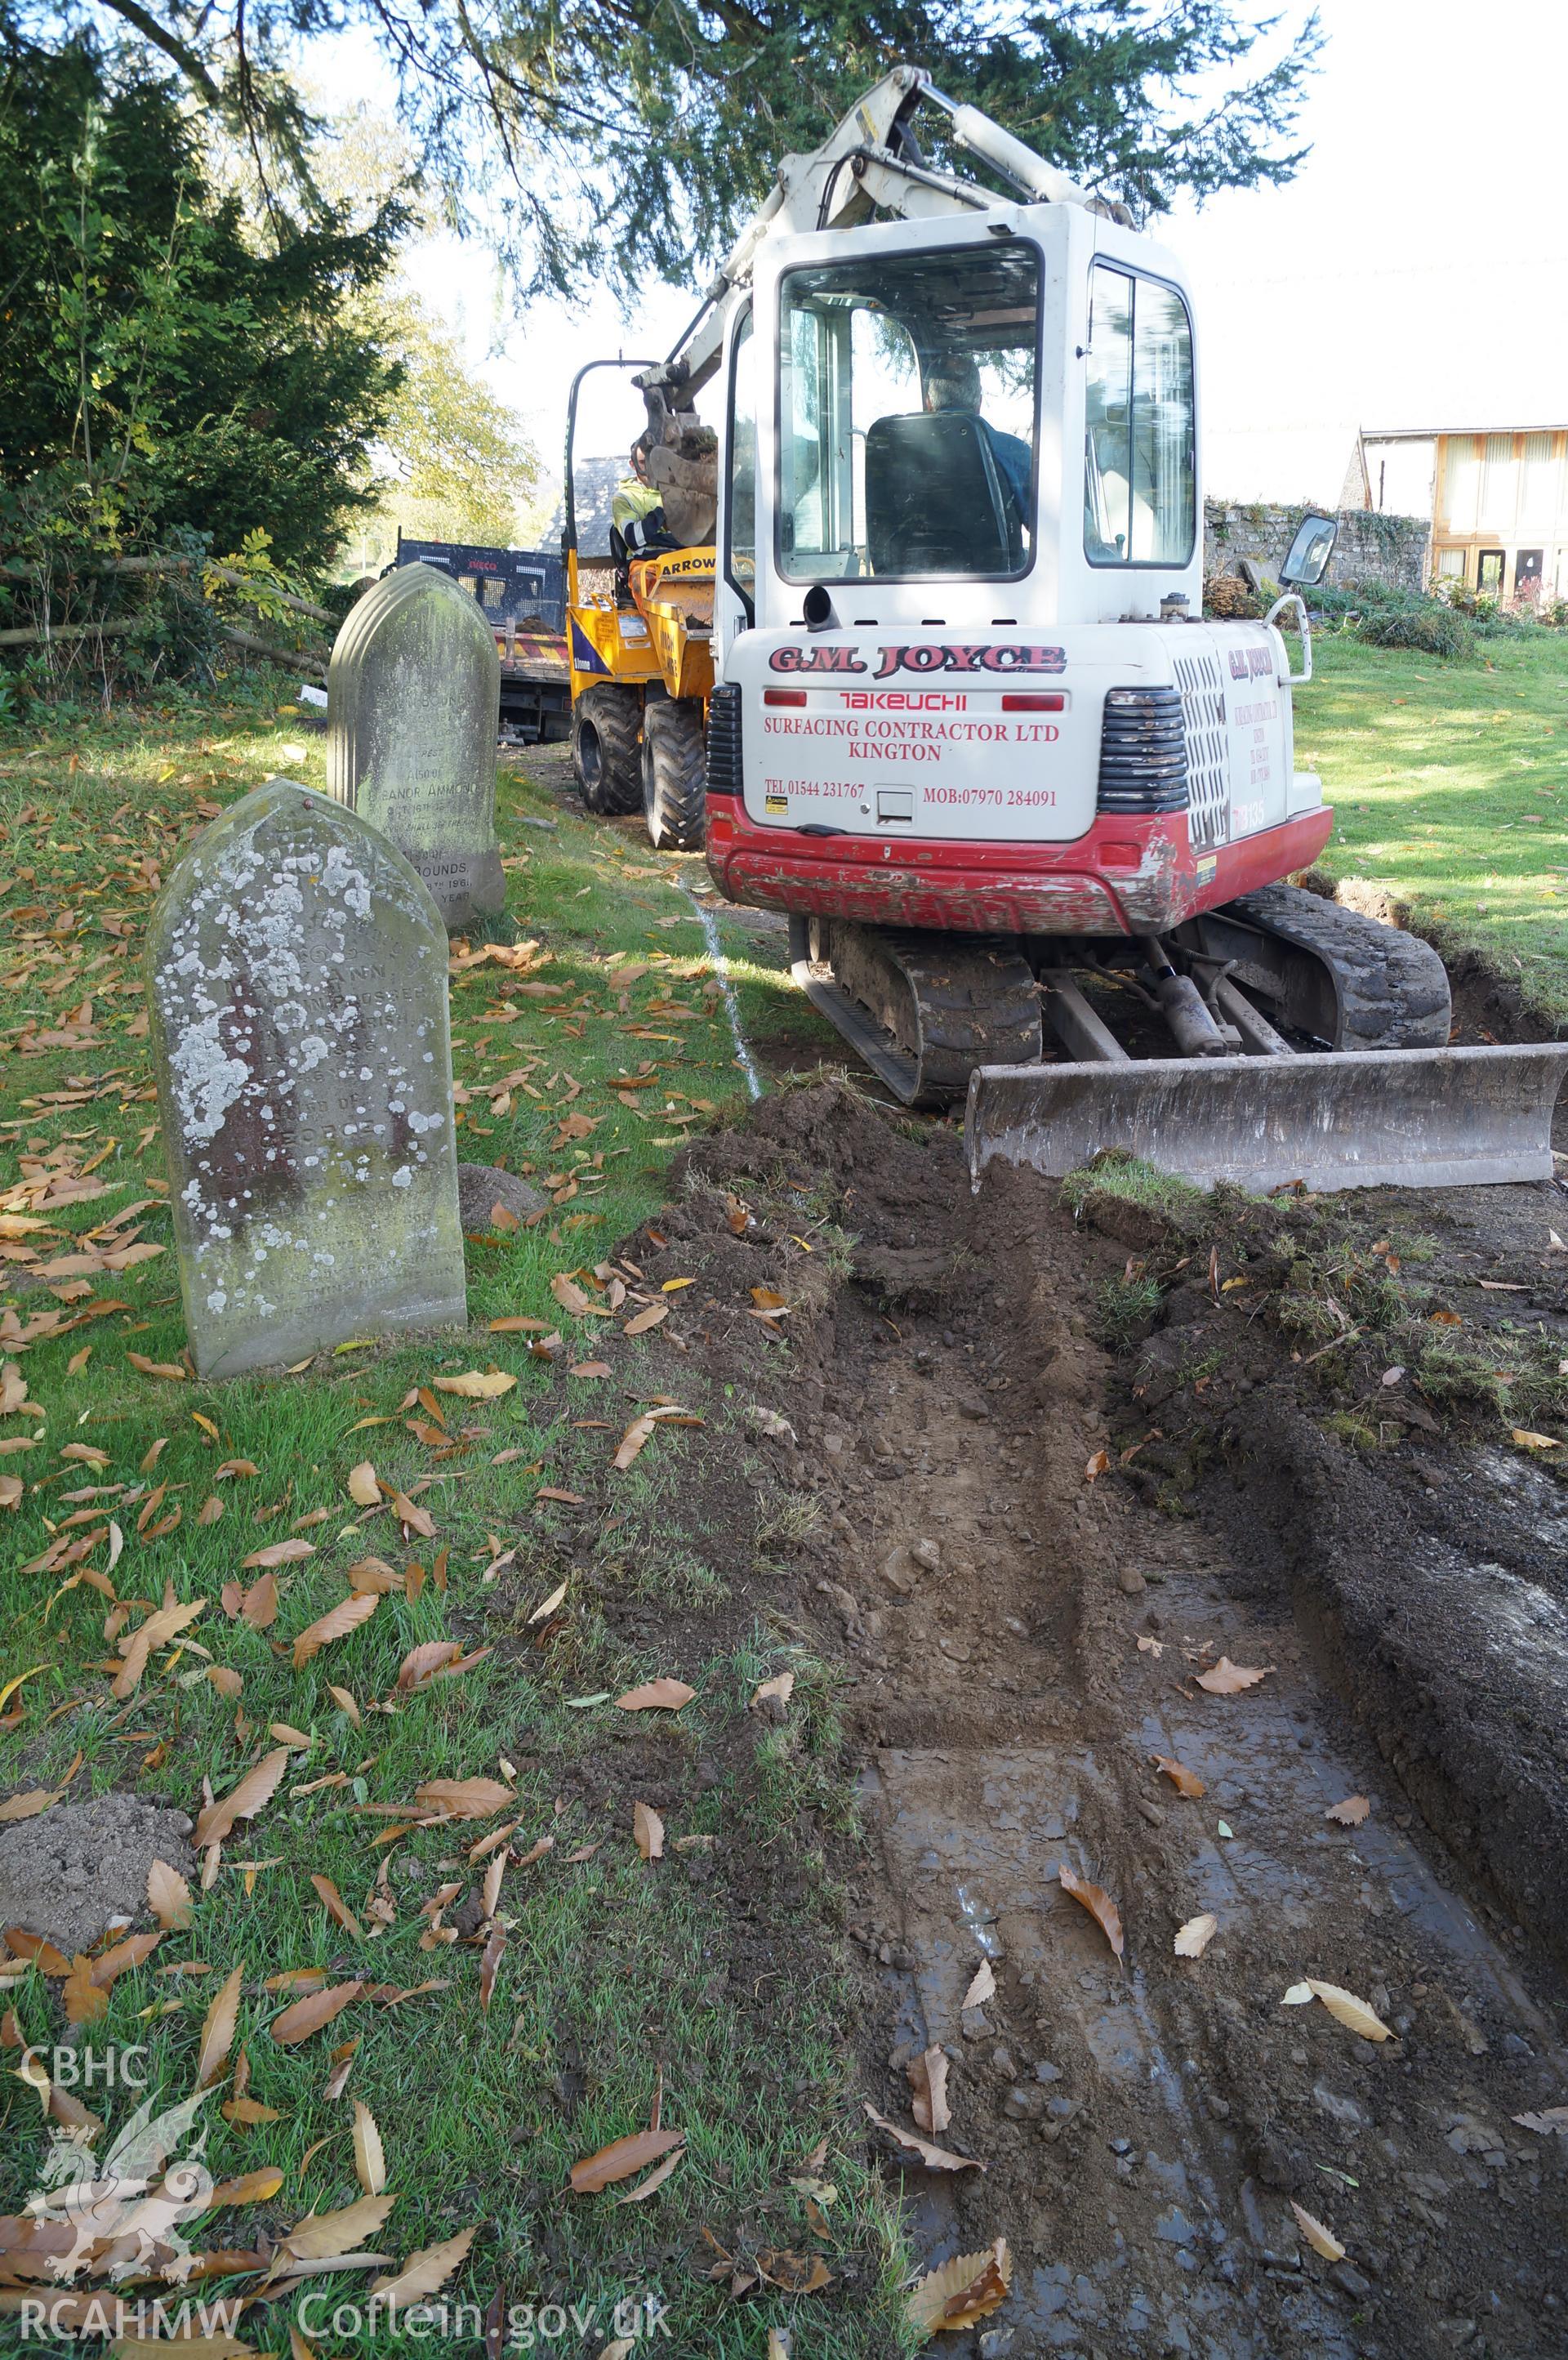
606 723
674 784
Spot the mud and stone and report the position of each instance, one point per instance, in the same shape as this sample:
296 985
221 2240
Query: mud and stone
415 690
482 1186
1005 1696
77 1868
296 970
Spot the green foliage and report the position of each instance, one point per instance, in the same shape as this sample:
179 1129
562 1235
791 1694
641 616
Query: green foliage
639 138
1431 628
164 369
1125 1308
1381 615
460 456
1442 778
1114 1173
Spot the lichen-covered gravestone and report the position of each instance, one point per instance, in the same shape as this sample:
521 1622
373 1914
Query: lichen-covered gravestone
415 691
297 972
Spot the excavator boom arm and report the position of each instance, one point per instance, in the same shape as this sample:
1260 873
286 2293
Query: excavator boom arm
869 162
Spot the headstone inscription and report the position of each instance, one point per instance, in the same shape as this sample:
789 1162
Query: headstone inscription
298 982
414 689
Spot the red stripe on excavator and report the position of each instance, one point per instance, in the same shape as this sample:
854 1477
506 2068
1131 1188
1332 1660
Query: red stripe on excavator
1126 875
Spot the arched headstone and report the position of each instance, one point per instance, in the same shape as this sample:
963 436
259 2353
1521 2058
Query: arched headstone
415 701
298 981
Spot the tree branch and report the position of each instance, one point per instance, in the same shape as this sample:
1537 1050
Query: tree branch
186 59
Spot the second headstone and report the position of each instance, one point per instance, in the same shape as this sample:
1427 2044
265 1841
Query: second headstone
415 696
297 975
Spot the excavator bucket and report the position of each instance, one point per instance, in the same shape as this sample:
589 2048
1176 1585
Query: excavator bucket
1369 1118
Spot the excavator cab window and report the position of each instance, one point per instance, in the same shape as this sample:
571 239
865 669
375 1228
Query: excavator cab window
908 416
1139 473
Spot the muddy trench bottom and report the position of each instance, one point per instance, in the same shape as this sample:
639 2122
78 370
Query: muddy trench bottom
1025 1642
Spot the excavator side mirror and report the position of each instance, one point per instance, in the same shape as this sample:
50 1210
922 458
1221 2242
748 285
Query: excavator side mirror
1310 553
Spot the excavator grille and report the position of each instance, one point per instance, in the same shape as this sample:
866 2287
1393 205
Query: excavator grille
1208 773
1143 752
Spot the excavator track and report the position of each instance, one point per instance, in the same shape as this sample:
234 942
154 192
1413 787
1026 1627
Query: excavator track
922 1010
1346 979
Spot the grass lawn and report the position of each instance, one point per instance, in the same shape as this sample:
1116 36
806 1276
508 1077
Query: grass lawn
1449 786
613 1982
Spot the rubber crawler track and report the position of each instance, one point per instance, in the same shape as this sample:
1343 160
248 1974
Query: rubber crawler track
1392 988
978 1006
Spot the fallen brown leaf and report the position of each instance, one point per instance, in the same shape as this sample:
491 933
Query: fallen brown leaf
982 1987
363 1487
369 2156
374 1577
465 1798
476 1384
1322 2241
323 2235
423 2272
218 2030
656 1696
289 1551
1194 1938
29 1805
927 2083
1226 1679
967 2289
1350 2010
252 2188
622 2158
243 1801
169 1897
648 1829
309 2014
1351 1812
337 1909
83 2002
490 1965
1186 1782
656 2179
259 1605
334 1624
1097 1902
937 2159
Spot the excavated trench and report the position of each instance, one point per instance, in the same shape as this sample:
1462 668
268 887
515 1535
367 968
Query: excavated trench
1024 1639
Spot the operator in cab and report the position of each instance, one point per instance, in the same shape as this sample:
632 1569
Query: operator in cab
953 383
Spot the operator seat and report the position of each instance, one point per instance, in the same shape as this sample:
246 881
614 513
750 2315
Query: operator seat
936 501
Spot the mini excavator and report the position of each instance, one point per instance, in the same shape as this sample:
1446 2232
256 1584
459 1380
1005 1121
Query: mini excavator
931 642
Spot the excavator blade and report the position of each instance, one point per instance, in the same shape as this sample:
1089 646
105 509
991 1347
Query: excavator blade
1368 1119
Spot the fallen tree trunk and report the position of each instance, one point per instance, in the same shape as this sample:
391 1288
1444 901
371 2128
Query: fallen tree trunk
50 632
315 665
184 565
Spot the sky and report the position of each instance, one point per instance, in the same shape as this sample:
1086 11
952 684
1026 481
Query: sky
1414 274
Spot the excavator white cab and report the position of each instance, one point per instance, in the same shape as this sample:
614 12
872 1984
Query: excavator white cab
1029 813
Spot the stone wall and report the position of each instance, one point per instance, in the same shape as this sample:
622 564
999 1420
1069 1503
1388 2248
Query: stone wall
1371 547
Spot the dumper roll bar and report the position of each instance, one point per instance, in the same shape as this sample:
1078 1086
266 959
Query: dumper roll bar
569 531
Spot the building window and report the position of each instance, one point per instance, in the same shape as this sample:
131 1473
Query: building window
1499 483
1538 490
1138 501
1489 570
1460 481
1451 564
